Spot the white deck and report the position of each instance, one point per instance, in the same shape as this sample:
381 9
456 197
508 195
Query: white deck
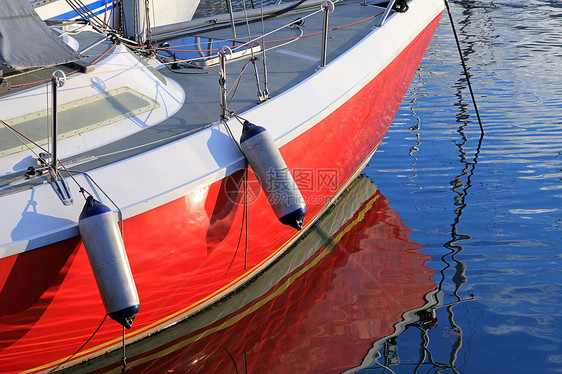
180 147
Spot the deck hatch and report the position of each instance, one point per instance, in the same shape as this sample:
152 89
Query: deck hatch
76 117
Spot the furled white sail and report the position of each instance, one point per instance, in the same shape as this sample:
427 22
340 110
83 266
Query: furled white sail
25 41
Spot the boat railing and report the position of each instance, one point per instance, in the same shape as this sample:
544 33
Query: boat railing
210 56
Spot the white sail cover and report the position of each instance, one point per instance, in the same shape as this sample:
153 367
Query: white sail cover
25 41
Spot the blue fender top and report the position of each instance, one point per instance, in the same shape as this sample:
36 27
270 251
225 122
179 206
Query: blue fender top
294 219
250 130
125 316
93 208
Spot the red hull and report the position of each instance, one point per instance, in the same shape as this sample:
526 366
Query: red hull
185 253
320 318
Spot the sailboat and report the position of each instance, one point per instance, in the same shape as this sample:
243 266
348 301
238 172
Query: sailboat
146 172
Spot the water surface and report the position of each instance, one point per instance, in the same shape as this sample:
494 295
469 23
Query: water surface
487 209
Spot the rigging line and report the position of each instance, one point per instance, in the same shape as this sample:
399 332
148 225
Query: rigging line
14 131
49 118
84 12
105 53
18 136
101 23
226 26
240 119
78 11
302 35
81 189
175 71
143 145
105 14
307 35
279 29
258 38
264 59
247 24
148 35
452 245
464 66
253 58
201 107
79 349
237 82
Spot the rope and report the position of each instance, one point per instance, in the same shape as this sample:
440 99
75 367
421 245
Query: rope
237 81
83 11
265 42
233 361
264 58
81 189
124 356
244 219
17 134
67 74
119 214
79 349
244 224
464 67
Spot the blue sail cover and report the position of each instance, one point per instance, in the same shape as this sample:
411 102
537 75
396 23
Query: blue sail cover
25 41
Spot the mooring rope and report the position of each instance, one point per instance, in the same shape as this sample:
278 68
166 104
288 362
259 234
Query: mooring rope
81 347
244 224
464 67
124 356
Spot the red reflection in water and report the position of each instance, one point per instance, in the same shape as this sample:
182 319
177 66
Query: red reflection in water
322 317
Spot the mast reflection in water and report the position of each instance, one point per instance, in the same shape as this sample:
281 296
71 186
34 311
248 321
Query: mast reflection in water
354 279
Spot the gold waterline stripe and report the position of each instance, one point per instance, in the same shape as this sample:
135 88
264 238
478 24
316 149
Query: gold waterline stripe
262 302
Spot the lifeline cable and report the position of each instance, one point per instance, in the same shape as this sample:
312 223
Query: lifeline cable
81 189
464 67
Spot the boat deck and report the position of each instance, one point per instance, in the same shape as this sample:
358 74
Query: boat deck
292 54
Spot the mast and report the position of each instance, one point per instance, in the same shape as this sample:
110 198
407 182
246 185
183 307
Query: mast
134 20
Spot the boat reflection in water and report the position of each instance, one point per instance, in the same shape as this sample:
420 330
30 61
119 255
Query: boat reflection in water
354 279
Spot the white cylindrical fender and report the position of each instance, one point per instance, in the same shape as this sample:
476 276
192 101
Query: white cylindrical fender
108 258
273 174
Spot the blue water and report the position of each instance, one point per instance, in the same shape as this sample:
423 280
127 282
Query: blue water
487 209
